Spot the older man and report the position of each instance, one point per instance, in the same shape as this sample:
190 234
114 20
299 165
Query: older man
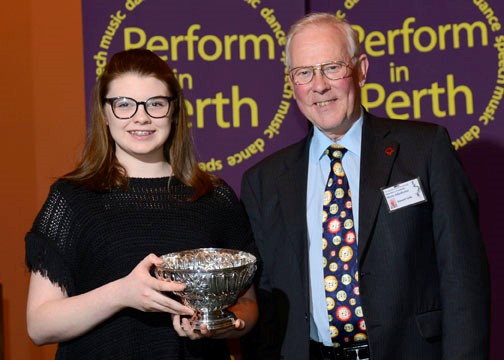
367 228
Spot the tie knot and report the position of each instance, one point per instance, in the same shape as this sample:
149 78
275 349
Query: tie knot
335 152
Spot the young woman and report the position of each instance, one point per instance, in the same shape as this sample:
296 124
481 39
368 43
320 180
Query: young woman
136 193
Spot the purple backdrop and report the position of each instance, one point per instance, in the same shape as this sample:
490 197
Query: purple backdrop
228 56
434 61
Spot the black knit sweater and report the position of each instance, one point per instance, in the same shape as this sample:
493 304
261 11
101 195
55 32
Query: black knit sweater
82 239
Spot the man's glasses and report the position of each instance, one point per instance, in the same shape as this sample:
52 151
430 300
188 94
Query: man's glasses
333 70
125 107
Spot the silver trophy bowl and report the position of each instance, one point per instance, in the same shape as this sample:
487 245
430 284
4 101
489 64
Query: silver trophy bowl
213 277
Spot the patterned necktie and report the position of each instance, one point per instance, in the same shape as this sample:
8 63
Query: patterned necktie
339 243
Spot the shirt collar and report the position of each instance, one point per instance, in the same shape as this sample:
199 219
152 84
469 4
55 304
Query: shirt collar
351 140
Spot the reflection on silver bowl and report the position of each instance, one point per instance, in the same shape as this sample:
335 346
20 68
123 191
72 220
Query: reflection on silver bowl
213 277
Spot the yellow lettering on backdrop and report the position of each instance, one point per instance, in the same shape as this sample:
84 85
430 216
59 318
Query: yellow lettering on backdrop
108 34
440 99
499 45
492 106
489 14
422 39
253 3
218 103
100 59
197 44
276 27
212 165
132 4
468 136
254 148
374 95
275 124
206 47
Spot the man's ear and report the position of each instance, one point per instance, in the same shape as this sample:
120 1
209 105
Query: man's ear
293 86
362 65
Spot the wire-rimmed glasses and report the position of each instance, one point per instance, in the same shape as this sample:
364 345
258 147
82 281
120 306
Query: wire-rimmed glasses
333 70
125 108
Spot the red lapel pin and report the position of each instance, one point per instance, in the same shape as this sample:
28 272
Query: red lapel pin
389 151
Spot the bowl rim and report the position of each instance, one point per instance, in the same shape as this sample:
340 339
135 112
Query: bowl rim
163 266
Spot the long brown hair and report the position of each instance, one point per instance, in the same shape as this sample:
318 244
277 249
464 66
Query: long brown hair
99 169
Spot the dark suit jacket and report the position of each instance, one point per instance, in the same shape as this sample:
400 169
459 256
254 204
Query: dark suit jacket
424 279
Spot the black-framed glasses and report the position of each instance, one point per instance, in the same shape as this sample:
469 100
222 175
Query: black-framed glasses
125 108
333 70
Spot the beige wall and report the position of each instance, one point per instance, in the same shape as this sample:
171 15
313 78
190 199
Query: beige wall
42 129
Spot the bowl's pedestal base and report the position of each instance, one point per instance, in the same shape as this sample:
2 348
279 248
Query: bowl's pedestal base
218 319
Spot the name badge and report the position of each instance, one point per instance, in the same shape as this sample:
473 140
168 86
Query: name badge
404 194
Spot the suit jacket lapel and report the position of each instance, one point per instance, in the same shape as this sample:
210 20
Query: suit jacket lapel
291 187
378 153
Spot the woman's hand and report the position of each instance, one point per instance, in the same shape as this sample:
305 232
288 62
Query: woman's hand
53 317
245 309
146 293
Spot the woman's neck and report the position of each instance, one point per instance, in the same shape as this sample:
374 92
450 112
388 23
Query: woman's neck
140 169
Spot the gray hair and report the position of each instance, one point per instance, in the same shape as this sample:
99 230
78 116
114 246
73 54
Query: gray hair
319 19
